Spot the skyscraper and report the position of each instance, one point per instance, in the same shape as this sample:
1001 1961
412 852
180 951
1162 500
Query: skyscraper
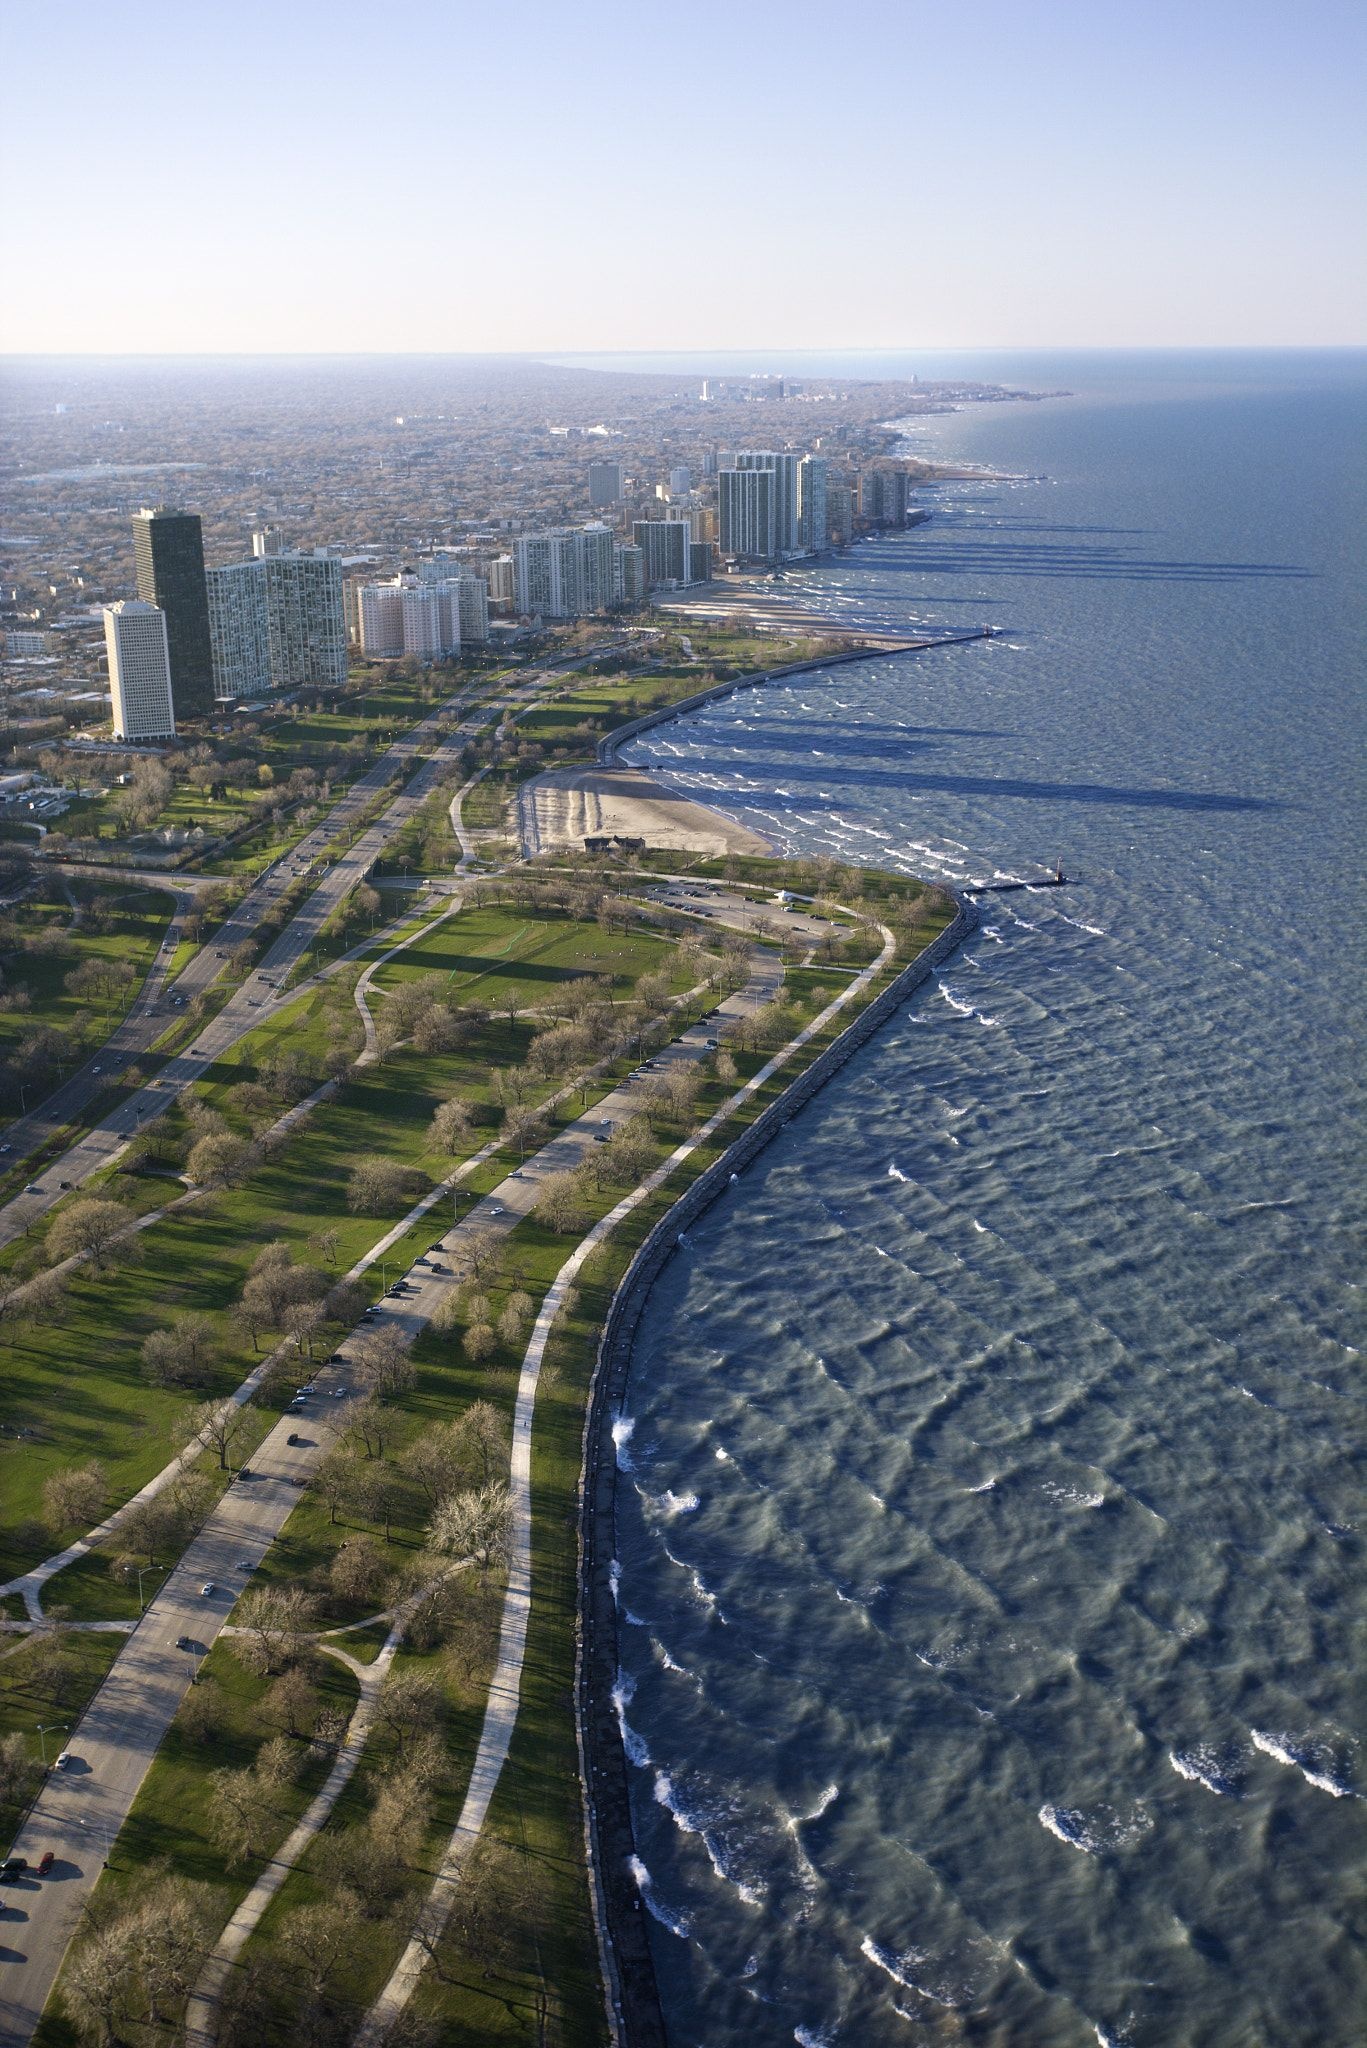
665 544
812 483
605 483
139 671
745 504
277 622
168 547
566 573
239 635
787 493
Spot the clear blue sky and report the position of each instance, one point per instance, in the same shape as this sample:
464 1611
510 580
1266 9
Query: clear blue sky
193 175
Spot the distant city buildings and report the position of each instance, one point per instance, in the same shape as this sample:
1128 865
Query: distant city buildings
422 616
665 544
680 482
137 644
168 548
605 484
276 623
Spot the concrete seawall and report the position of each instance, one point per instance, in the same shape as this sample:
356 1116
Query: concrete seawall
609 744
634 2012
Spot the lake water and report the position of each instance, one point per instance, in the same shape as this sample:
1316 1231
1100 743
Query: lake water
991 1520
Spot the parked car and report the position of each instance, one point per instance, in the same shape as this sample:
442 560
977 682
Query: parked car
184 1643
45 1862
242 1564
62 1761
209 1586
293 1439
12 1867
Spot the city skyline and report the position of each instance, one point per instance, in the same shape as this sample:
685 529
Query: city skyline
1073 179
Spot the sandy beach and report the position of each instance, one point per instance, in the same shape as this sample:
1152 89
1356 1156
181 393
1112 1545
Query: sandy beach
561 809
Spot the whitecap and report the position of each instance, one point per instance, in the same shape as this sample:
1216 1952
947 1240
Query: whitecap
623 1692
621 1437
895 1173
812 2037
675 1922
1201 1766
987 1486
823 1804
1280 1747
981 1228
677 1503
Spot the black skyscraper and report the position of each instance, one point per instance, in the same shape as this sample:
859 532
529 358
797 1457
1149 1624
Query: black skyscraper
169 548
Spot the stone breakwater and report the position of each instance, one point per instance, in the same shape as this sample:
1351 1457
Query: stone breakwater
634 2015
620 734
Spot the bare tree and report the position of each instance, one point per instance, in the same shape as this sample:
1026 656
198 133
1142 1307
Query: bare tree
74 1498
384 1364
181 1356
89 1228
217 1425
273 1621
477 1525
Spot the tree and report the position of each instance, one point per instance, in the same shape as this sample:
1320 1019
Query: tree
451 1125
221 1161
334 1482
19 1772
379 1186
477 1525
314 1940
234 1814
326 1242
559 1203
483 1442
217 1425
480 1343
384 1364
74 1498
409 1705
181 1356
480 1251
367 1423
357 1571
380 1494
524 1127
272 1620
293 1702
89 1228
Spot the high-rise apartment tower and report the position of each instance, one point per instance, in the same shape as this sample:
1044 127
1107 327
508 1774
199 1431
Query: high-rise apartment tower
168 547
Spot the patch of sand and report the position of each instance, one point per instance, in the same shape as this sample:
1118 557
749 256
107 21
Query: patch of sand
568 805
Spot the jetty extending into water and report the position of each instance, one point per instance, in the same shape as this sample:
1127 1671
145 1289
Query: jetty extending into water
609 744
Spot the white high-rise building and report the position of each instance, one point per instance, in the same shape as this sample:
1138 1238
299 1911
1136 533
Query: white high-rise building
680 482
748 526
306 620
502 580
415 616
139 670
473 597
380 606
268 540
564 574
239 634
665 544
277 622
812 478
787 493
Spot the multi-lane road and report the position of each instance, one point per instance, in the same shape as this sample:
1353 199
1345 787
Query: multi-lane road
83 1806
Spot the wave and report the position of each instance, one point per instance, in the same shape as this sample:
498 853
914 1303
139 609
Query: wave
623 1692
897 1966
690 1821
823 1805
965 1009
895 1173
1299 1758
677 1503
812 2037
1202 1767
621 1436
1094 1833
675 1922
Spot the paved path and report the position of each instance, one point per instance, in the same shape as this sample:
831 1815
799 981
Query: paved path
112 1746
506 1685
263 990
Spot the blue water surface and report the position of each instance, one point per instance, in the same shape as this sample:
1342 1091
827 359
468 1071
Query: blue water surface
991 1516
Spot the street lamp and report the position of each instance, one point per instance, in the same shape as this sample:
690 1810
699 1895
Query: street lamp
98 1829
44 1730
142 1570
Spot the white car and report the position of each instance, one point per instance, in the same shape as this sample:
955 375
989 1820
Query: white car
209 1586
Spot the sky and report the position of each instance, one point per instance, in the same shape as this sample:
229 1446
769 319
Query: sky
319 176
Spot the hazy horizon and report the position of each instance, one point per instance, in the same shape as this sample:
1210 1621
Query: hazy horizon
283 181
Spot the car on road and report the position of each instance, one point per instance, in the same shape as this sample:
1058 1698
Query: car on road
712 1044
495 1208
339 1393
6 1148
45 1862
62 1761
184 1643
97 1070
242 1564
209 1586
33 1188
437 1267
12 1867
293 1439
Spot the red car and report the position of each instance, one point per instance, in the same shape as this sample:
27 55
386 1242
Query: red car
45 1862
